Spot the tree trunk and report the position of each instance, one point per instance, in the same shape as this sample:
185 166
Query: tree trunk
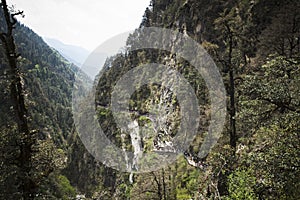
232 110
26 141
159 189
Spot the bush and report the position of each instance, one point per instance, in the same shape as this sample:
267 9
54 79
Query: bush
241 184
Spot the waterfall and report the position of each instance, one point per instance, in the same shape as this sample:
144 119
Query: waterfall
136 142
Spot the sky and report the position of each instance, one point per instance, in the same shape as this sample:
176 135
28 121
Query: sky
84 23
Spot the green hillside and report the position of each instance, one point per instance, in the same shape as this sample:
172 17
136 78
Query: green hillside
255 45
47 80
256 48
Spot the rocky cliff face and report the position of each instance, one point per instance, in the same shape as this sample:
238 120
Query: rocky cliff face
233 34
255 45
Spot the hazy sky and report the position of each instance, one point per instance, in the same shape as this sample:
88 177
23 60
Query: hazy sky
86 23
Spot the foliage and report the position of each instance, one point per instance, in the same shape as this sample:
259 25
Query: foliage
257 41
65 188
46 79
241 185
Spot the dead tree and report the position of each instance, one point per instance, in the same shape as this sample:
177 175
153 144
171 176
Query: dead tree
27 139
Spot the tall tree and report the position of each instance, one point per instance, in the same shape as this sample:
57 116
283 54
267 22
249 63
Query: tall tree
27 137
235 49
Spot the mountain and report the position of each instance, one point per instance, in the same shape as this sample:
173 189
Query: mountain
73 54
78 56
255 46
257 55
47 79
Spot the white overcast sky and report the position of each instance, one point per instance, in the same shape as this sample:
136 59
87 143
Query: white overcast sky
85 23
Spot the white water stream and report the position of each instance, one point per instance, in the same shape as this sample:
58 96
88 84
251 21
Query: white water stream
136 142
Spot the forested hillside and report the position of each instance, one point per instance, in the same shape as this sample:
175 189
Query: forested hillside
256 46
47 81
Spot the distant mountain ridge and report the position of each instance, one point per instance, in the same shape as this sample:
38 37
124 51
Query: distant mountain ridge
47 78
79 56
74 54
